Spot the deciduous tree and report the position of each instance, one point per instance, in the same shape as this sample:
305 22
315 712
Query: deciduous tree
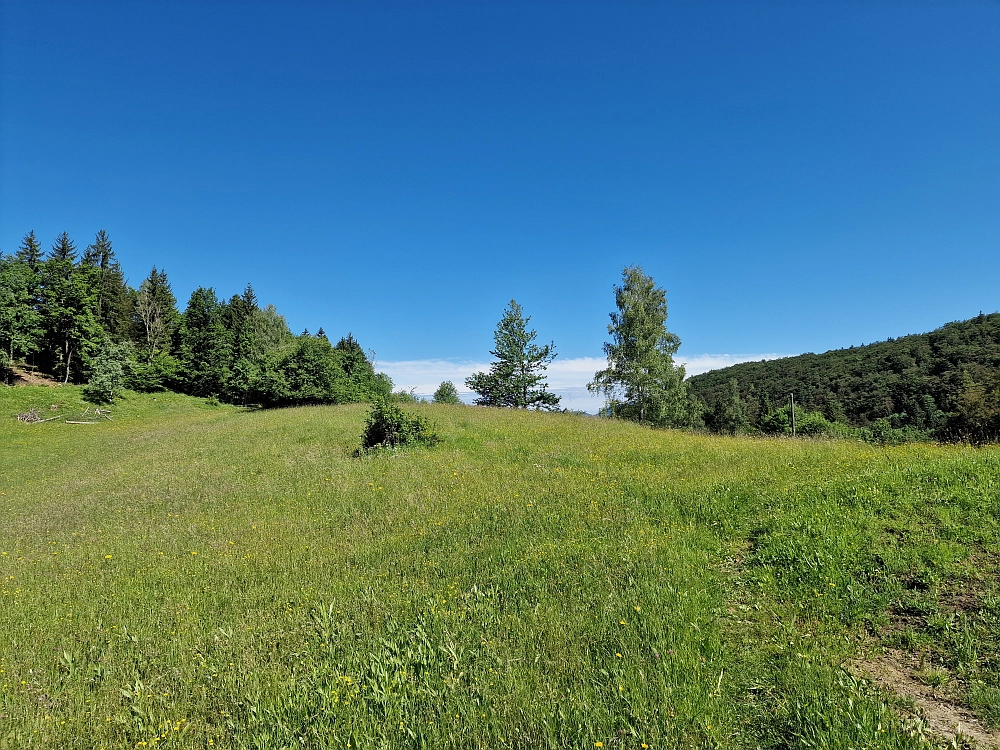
641 381
20 319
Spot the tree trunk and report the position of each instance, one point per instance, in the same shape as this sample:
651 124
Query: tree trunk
69 356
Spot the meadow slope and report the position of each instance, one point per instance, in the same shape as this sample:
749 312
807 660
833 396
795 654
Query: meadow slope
194 576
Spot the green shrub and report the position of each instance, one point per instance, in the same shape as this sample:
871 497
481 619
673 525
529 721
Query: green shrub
812 423
447 393
109 372
388 426
406 397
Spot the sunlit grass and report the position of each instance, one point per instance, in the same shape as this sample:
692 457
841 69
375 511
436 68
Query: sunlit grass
194 576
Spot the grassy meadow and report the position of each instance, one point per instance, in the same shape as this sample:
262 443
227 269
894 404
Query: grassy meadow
193 575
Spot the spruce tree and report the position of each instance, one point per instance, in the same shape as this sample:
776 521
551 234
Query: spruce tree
63 248
517 378
204 345
113 299
69 308
30 252
641 381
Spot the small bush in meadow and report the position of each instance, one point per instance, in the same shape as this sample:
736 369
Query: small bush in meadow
388 426
447 393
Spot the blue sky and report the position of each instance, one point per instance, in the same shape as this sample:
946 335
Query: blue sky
799 176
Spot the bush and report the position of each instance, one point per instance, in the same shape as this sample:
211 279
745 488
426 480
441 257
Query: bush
881 432
447 393
812 423
388 426
406 397
109 372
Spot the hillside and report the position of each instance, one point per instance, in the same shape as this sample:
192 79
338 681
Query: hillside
943 382
193 575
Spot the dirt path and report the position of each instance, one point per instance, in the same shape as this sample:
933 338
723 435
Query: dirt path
897 671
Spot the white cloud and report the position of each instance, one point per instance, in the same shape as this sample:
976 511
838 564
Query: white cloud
700 363
425 375
567 378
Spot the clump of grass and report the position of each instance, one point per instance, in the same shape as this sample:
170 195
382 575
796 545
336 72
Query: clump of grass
934 677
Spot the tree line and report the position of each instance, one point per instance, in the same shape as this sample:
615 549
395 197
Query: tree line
73 314
942 385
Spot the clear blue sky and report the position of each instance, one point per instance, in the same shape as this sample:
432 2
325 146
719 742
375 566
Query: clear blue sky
799 176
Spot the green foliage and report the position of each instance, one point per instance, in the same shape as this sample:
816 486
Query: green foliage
62 311
264 340
204 345
150 375
976 418
155 314
641 382
20 321
517 378
446 393
388 426
110 371
68 306
730 413
406 397
114 302
30 253
939 384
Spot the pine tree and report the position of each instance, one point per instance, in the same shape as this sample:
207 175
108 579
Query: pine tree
516 379
69 308
113 299
203 345
30 252
641 381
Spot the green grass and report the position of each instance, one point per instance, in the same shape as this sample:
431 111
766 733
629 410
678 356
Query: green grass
194 576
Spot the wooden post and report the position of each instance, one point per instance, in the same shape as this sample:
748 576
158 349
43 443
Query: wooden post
792 397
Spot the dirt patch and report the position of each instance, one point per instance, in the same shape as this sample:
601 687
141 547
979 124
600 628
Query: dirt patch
22 376
903 674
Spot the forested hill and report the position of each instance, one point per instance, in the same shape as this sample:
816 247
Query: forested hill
75 317
945 383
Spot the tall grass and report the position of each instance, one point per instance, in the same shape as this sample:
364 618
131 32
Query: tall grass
195 576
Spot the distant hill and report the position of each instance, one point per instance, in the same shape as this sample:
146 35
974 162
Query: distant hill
945 384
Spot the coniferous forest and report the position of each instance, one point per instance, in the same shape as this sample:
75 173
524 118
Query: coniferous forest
71 313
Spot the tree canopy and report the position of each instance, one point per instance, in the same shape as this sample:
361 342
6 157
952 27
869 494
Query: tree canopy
944 384
75 316
642 382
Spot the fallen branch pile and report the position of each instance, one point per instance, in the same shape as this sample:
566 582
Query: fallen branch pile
31 417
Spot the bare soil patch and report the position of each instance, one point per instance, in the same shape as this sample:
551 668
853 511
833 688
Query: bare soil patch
26 377
900 672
